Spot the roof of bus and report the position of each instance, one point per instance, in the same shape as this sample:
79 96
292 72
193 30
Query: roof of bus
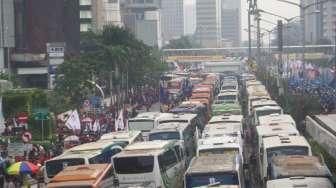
278 141
147 115
298 165
120 136
309 182
226 118
213 163
154 147
225 93
275 119
265 131
202 89
262 108
174 126
176 117
91 146
79 175
225 141
220 129
264 102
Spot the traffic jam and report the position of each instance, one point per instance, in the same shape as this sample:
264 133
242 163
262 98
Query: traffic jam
213 130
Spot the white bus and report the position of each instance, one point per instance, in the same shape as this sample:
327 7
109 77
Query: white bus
220 145
279 146
308 171
150 164
262 102
144 122
228 96
276 119
264 111
222 170
227 119
122 137
90 153
186 133
182 118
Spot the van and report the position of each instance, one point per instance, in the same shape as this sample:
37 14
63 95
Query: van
88 176
222 170
150 164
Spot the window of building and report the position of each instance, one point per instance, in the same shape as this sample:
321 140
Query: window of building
113 1
85 2
150 1
85 27
85 14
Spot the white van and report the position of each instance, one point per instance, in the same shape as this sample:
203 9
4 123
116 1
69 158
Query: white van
90 153
222 170
186 133
276 119
144 122
279 146
122 137
150 164
288 171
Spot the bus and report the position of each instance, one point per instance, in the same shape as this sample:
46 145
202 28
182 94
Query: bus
280 146
221 170
192 108
182 118
123 138
186 133
89 153
276 119
90 176
152 164
262 102
221 129
264 111
288 171
144 122
228 96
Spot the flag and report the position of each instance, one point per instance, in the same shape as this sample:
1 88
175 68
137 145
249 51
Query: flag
119 123
96 126
73 121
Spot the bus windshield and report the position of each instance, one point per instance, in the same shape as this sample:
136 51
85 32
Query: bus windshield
174 135
267 112
227 97
228 87
141 125
53 167
199 180
214 151
288 150
134 165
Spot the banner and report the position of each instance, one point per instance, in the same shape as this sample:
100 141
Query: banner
119 123
73 121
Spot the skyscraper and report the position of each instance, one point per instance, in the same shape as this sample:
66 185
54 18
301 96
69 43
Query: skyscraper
329 20
231 22
208 22
172 19
189 18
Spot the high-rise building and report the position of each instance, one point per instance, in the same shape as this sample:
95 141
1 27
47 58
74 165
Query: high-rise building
329 21
172 19
95 14
46 32
208 22
7 33
231 22
189 18
143 19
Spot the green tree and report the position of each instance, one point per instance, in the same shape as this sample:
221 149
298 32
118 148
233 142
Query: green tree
183 43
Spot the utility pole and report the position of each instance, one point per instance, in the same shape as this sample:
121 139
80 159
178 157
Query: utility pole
280 48
257 17
249 29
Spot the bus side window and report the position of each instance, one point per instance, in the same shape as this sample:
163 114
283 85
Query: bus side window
179 152
167 160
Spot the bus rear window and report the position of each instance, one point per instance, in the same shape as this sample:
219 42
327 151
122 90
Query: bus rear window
55 166
134 165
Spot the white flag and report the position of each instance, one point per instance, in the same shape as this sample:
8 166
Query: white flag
119 123
96 126
73 121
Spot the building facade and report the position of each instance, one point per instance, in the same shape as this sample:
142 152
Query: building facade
39 24
189 18
143 19
172 20
7 32
231 23
208 22
329 21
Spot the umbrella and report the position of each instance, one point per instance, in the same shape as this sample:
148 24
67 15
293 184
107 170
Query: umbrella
22 168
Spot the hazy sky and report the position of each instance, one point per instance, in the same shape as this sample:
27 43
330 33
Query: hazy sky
274 6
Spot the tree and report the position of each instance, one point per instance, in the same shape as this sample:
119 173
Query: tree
183 43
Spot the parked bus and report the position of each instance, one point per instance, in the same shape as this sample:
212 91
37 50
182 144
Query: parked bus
144 122
88 176
89 153
123 138
222 170
280 146
150 164
288 171
186 133
264 111
182 118
277 119
188 107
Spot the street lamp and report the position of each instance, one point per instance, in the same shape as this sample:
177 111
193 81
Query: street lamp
302 20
